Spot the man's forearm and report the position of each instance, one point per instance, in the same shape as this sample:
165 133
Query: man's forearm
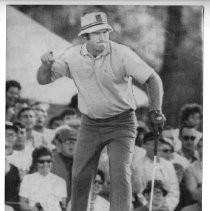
155 92
44 74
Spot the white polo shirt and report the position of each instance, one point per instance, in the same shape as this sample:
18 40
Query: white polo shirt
104 83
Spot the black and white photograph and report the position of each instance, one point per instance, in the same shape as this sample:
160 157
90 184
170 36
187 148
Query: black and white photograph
104 106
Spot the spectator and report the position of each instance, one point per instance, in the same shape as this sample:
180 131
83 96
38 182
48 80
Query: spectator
159 197
187 135
42 188
13 89
40 126
27 117
55 122
22 153
164 171
12 179
65 139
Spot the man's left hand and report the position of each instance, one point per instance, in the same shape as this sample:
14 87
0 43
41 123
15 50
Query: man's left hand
157 120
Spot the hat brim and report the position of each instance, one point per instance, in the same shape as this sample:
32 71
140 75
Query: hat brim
96 28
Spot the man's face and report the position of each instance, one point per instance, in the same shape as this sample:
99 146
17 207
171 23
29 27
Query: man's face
28 119
40 118
67 147
13 93
194 120
98 40
10 136
188 137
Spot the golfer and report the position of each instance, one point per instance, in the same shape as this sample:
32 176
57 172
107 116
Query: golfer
102 71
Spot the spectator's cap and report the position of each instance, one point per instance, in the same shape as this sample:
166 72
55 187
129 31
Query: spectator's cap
168 141
149 137
10 125
64 133
94 21
157 184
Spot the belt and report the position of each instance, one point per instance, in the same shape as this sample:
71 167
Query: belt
98 120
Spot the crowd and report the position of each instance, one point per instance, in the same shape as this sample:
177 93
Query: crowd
39 153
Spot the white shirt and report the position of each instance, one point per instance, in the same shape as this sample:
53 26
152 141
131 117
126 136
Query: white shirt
47 190
22 159
165 172
104 83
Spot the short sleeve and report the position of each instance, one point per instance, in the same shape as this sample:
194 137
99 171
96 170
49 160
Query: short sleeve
135 66
24 187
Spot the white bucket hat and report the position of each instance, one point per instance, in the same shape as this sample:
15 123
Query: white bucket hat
94 21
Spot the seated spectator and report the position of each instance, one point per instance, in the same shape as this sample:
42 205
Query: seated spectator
97 203
187 135
42 188
40 126
159 197
26 116
166 150
22 153
65 139
55 122
164 171
13 89
12 179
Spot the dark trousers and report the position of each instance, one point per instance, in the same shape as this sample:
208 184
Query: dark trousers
118 134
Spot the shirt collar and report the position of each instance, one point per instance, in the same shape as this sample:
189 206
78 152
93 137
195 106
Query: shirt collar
85 52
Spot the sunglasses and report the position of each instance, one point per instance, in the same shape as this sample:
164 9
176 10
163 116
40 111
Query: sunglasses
189 138
167 150
44 161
